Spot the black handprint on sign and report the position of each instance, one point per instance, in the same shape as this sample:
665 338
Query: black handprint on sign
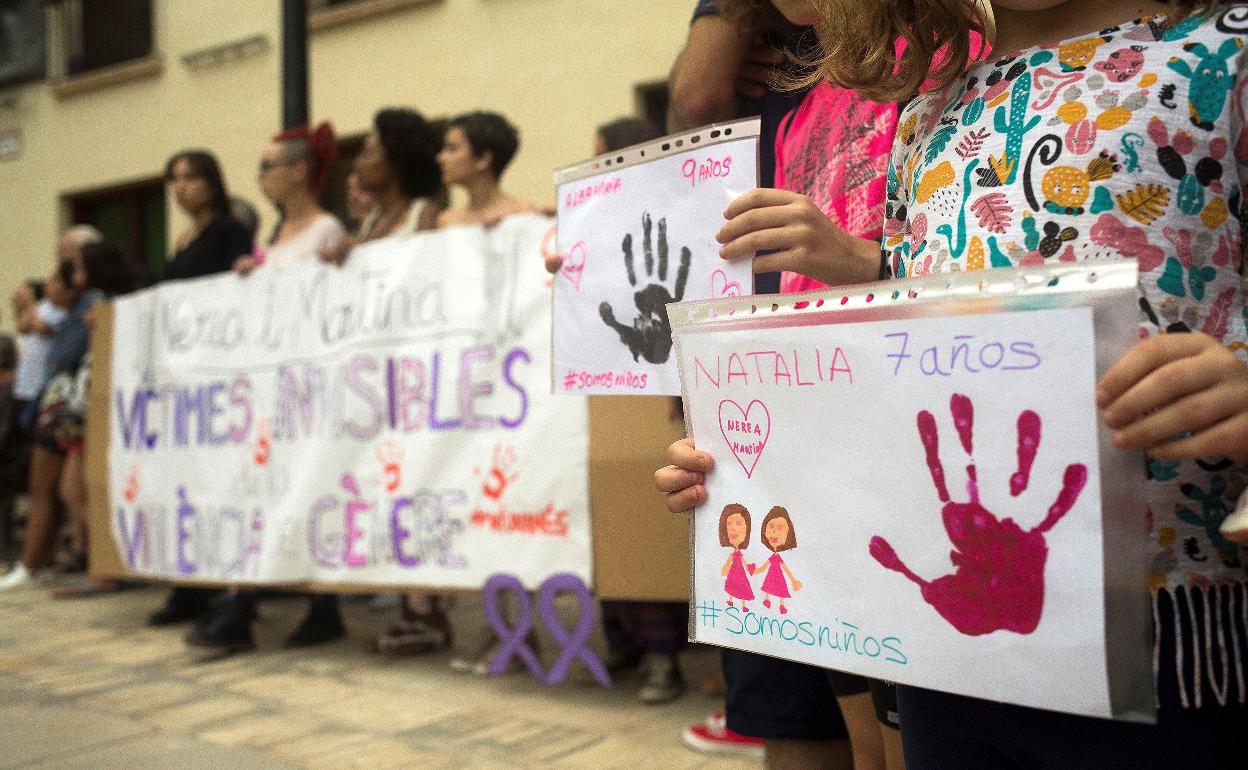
650 336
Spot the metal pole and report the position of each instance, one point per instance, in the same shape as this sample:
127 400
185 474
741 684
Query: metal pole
294 63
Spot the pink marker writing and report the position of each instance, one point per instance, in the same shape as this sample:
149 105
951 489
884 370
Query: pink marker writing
697 172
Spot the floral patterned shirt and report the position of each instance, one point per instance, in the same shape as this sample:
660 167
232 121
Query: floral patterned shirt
1127 143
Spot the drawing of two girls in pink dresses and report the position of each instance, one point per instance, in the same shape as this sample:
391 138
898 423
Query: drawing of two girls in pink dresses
778 535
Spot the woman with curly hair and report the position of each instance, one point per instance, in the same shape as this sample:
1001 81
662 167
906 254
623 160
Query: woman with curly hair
397 168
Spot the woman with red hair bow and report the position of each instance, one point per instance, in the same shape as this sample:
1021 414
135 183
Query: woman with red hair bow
293 171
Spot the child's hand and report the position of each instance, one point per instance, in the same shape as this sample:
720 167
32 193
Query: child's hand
244 265
1235 526
797 584
1175 384
683 479
804 239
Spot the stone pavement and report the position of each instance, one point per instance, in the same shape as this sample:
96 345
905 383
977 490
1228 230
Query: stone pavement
83 684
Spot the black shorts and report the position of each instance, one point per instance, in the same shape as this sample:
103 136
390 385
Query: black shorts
777 699
883 694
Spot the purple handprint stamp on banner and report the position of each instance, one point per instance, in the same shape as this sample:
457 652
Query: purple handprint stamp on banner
998 584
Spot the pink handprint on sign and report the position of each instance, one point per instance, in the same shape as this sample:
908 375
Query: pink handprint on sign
999 581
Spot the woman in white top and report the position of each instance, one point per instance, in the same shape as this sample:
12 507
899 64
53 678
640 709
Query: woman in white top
293 171
397 167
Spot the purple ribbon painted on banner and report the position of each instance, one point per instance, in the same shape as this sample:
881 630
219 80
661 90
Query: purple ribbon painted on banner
512 639
573 644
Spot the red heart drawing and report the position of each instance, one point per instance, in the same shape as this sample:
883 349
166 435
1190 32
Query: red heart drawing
746 437
721 287
574 264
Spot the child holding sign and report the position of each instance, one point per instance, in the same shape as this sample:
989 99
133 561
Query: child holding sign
1126 139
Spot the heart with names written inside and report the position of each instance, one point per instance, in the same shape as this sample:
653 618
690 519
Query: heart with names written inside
722 287
745 431
573 267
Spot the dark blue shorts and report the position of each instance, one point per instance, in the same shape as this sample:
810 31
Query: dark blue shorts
777 699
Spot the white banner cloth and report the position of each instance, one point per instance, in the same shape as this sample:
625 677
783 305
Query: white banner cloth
388 422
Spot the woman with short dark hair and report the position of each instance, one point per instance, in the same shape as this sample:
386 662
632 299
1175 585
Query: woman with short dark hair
477 148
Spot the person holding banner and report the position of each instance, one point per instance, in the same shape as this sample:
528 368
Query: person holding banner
293 172
733 64
829 156
215 239
476 149
214 242
1181 393
396 168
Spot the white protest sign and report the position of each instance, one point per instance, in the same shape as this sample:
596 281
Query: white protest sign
388 422
912 484
637 231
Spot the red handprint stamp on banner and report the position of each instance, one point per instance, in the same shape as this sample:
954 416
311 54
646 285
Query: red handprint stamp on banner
264 441
390 455
999 581
132 484
501 473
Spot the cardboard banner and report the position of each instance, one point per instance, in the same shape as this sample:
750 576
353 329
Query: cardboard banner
384 424
637 231
912 483
628 439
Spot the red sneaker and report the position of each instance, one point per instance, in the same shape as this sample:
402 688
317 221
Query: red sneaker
714 737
